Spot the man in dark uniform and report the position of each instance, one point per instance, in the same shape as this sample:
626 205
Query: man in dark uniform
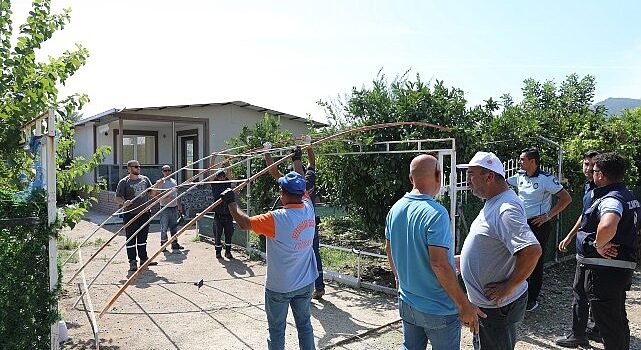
608 246
535 189
223 221
583 328
129 187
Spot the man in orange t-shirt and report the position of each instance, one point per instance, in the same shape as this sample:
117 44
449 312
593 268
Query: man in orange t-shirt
291 264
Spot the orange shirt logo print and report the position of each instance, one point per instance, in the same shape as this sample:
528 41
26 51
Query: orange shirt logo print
301 226
305 224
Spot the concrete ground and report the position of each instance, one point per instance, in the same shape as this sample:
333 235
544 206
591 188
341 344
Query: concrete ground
163 309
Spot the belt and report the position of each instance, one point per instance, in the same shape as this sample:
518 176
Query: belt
622 264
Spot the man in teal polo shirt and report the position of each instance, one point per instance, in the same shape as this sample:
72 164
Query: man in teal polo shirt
420 251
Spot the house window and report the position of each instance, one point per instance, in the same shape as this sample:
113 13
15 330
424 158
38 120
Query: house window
141 148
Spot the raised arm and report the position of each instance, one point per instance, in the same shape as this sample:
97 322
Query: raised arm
296 158
274 170
227 164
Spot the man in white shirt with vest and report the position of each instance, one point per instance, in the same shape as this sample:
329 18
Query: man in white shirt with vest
536 188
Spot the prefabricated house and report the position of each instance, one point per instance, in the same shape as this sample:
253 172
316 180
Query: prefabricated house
175 135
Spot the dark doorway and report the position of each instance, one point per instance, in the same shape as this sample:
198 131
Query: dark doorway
188 155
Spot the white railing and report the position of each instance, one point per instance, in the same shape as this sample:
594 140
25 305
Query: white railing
511 167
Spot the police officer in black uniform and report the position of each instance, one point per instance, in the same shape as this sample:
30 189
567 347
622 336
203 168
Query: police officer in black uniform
607 247
583 327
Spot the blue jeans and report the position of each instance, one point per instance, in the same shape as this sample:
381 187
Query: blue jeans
168 221
276 307
443 332
319 284
498 330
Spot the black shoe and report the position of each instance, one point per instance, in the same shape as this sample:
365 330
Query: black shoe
594 334
228 255
531 305
176 246
133 266
218 255
318 294
570 341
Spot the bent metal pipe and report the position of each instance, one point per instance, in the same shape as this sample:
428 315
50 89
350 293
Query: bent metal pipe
217 202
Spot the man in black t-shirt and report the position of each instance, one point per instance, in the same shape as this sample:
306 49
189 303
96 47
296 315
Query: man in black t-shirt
127 194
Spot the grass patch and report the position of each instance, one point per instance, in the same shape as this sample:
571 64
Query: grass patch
64 254
98 242
347 262
65 243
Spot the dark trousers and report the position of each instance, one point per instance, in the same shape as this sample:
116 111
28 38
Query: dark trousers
535 281
139 243
580 303
224 224
581 319
498 330
605 288
319 284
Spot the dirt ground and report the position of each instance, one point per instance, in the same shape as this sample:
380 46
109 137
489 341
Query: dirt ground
163 309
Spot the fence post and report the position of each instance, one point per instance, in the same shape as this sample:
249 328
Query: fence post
48 154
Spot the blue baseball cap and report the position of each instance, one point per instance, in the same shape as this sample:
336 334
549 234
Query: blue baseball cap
293 183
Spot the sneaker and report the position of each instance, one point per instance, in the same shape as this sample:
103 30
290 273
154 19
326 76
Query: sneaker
176 246
133 266
318 294
228 255
218 255
594 334
530 306
570 341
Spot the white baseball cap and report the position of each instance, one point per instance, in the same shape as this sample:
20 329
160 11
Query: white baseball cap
487 160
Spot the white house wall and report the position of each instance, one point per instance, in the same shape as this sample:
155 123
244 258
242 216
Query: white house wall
226 122
83 136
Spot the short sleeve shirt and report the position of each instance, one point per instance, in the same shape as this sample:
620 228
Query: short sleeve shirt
130 189
536 191
488 254
610 205
170 199
414 223
291 263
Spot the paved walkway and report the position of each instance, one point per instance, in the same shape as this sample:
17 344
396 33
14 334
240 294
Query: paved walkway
163 309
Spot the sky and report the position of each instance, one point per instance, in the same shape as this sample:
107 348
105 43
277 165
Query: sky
287 55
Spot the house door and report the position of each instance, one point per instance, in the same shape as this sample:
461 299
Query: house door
188 155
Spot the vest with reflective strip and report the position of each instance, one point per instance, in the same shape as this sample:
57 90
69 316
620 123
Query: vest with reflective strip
626 234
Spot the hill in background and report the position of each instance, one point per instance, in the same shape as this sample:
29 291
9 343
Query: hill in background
615 105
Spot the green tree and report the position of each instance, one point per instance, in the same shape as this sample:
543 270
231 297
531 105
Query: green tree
264 189
369 184
29 88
